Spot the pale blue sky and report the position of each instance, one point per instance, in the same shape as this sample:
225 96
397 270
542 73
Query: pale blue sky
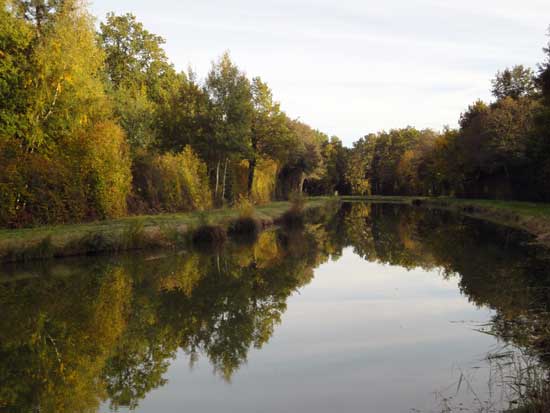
351 67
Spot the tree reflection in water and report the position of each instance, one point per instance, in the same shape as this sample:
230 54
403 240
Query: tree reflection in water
76 332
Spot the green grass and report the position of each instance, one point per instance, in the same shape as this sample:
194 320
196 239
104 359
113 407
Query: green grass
61 236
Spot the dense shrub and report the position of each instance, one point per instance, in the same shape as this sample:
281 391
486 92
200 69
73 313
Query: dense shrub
239 179
37 189
246 227
263 183
108 169
171 182
265 179
89 179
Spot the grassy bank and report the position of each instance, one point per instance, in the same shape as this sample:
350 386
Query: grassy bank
128 233
528 216
166 230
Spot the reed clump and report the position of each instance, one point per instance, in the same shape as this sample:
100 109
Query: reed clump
246 227
294 217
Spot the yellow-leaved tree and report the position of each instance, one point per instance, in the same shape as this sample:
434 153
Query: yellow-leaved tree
173 182
68 159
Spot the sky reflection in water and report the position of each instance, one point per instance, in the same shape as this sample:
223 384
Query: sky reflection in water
361 336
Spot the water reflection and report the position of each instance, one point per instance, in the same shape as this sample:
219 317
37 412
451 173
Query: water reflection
74 333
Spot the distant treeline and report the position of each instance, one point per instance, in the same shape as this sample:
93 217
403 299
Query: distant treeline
500 150
99 124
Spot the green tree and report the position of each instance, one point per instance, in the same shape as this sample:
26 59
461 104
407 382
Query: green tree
16 36
231 115
38 12
270 135
510 123
134 57
184 119
137 114
388 151
543 75
305 161
359 168
333 178
139 76
57 121
414 167
515 83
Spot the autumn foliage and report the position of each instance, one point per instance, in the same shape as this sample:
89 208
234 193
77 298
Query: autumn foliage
97 125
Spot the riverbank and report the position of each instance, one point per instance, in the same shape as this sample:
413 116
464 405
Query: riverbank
136 232
528 216
168 230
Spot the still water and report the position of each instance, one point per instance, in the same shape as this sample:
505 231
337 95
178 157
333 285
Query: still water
368 308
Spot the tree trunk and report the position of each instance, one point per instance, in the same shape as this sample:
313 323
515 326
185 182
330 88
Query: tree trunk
251 169
217 179
224 176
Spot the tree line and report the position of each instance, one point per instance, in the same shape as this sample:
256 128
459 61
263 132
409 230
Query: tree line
97 123
500 150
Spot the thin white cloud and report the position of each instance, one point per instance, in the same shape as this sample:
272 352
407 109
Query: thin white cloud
352 67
